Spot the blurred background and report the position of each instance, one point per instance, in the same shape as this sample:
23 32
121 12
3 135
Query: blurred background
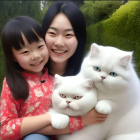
109 23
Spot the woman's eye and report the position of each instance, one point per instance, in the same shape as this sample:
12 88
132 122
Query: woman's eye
51 33
69 35
113 74
96 68
62 95
77 97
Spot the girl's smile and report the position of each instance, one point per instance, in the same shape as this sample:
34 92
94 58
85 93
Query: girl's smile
32 57
37 64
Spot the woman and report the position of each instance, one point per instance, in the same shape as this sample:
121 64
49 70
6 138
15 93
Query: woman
65 30
76 20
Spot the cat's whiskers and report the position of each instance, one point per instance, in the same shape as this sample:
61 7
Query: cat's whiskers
74 106
96 79
107 84
62 105
82 111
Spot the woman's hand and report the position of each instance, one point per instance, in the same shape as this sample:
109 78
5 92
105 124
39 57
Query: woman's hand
93 117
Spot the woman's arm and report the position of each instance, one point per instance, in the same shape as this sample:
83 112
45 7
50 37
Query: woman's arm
34 123
92 117
49 130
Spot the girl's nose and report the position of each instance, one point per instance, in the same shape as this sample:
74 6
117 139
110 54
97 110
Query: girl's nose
35 56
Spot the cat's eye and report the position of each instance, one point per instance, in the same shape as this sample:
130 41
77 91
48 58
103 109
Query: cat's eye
62 95
77 97
113 74
96 68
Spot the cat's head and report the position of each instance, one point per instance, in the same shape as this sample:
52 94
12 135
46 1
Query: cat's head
73 96
109 67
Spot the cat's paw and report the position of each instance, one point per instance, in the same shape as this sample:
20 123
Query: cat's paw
103 108
59 121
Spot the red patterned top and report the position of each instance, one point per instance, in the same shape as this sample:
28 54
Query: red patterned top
38 102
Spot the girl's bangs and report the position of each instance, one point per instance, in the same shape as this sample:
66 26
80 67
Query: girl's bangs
32 32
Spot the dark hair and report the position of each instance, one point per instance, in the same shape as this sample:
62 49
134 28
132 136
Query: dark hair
11 37
77 20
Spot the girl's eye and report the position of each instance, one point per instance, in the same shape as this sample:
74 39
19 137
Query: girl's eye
40 46
62 95
77 97
113 74
25 52
96 68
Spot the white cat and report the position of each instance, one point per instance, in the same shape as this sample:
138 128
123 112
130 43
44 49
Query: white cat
72 96
118 89
118 93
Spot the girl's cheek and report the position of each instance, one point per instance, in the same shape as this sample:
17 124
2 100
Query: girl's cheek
48 41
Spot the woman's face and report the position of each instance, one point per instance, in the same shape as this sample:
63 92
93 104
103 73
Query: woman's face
60 39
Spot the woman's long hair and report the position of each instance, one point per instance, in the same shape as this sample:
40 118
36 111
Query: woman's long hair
11 37
77 20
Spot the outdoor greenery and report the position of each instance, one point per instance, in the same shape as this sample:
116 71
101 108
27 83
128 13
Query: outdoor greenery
108 23
121 30
95 11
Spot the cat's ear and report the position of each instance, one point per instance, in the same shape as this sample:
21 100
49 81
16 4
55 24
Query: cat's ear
126 59
88 84
57 81
94 50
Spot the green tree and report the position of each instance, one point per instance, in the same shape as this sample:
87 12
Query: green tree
78 3
43 12
44 3
95 11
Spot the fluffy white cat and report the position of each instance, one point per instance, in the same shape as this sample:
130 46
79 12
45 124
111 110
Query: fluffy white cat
72 96
118 94
118 89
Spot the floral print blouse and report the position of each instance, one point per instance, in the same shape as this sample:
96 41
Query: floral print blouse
38 102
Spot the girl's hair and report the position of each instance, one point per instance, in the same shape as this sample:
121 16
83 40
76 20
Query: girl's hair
11 37
77 20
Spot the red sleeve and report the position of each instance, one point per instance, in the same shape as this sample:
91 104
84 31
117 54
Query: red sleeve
10 123
75 123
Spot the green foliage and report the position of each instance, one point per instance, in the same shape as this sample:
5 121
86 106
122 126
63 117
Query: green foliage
43 12
44 3
121 30
95 11
78 2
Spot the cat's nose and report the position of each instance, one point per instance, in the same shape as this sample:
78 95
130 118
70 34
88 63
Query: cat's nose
102 77
68 102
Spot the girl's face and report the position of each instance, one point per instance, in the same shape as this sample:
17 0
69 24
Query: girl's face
60 39
32 57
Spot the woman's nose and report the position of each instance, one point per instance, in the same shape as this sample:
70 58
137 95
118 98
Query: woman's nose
59 41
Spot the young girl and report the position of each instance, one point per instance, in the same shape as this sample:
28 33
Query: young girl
27 88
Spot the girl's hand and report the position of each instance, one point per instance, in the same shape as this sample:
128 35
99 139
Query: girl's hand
93 117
